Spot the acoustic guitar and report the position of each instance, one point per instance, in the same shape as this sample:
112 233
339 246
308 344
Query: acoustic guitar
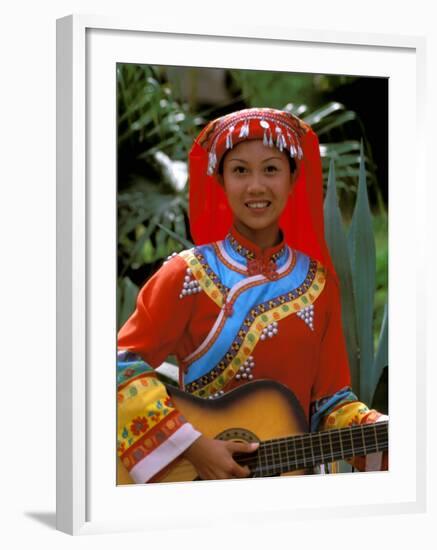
269 413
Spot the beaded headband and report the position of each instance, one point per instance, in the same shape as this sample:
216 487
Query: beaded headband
276 128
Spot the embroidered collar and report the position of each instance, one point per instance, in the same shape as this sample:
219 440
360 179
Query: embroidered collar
251 251
258 260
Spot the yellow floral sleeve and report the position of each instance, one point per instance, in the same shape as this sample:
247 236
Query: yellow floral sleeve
150 430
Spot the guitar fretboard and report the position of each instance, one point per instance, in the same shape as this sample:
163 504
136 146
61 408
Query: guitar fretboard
277 456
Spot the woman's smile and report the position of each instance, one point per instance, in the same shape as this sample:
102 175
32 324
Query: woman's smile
258 207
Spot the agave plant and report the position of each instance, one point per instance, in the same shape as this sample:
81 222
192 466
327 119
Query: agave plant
354 257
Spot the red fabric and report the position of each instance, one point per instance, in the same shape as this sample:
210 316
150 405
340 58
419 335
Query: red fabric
302 220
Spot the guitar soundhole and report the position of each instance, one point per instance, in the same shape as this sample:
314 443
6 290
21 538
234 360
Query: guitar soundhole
237 434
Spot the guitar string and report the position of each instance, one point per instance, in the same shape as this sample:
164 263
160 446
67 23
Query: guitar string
326 457
319 459
379 426
300 454
300 446
354 434
300 451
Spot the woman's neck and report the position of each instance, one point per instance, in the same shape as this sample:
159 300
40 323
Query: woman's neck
263 238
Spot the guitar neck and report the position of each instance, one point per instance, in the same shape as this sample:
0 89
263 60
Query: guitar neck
277 456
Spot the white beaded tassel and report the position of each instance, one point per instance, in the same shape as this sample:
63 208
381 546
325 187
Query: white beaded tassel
264 124
212 162
245 372
307 315
229 143
269 331
190 285
244 130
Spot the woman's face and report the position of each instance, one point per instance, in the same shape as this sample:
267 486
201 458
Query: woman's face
257 181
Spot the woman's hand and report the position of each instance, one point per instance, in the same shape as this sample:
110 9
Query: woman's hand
213 458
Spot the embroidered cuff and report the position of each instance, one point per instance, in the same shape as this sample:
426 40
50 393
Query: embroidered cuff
164 454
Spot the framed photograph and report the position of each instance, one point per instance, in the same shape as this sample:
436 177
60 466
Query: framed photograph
94 55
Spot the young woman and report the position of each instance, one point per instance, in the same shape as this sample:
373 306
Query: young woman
257 298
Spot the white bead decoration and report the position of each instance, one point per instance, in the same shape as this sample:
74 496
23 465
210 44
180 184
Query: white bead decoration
269 331
190 286
216 394
245 371
307 315
170 257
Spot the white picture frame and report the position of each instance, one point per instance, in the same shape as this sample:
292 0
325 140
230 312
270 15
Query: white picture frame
87 499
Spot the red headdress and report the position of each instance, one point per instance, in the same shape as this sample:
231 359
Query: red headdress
302 219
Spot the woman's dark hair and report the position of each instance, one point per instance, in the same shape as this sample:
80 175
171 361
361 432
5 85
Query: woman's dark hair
291 161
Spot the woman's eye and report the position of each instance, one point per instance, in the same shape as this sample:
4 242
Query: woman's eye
239 169
271 168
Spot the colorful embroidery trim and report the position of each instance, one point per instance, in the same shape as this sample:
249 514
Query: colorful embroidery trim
150 438
205 276
262 291
239 249
218 325
130 370
233 294
228 262
248 254
250 332
233 264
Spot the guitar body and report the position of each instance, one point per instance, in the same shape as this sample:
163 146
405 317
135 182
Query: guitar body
258 411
